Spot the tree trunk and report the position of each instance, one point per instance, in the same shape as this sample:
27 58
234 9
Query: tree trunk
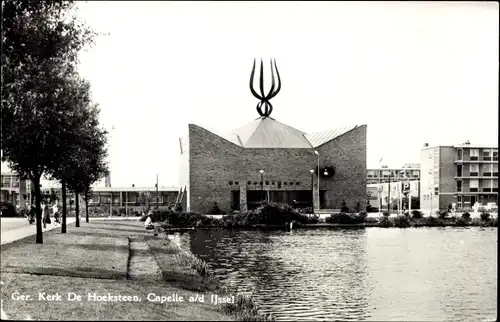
86 206
77 210
64 207
38 207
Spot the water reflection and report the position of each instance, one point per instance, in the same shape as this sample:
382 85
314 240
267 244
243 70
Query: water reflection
431 274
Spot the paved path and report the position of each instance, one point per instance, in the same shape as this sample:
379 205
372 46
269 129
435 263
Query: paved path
142 265
13 229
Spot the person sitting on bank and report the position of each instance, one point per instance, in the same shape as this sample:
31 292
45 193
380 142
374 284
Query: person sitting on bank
148 224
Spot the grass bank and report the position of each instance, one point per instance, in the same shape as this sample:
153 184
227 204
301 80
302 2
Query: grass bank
181 268
94 259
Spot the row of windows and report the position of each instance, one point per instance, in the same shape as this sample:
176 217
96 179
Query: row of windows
267 183
9 181
386 173
487 155
487 186
428 196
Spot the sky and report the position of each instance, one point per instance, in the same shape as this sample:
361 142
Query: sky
414 72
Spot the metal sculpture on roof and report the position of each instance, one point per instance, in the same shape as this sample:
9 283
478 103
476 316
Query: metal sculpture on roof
264 99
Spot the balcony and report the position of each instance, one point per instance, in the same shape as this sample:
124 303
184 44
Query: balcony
474 161
493 191
483 176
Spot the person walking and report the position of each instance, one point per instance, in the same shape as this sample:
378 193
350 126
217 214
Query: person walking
55 213
46 215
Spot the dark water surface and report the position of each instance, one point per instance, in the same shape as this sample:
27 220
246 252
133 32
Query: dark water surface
414 274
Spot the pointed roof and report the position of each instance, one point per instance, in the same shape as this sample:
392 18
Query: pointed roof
318 138
266 132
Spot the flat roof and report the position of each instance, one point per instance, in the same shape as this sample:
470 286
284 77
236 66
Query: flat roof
125 189
467 146
137 189
371 169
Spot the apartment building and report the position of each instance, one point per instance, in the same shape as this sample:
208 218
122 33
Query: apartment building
13 190
408 172
463 174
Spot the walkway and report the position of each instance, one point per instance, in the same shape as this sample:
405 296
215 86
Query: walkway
16 228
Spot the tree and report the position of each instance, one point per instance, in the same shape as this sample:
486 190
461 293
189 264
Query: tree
92 154
83 148
39 55
147 198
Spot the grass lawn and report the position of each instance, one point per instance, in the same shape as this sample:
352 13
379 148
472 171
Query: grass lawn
68 255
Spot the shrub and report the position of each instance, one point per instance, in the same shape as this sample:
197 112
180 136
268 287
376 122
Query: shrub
442 214
462 222
372 220
346 219
314 219
466 216
363 215
344 207
485 216
433 221
267 214
386 222
401 221
415 214
386 214
215 209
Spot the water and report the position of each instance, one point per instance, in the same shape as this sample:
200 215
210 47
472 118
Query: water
422 274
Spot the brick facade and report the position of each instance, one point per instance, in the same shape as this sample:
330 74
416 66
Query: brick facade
214 162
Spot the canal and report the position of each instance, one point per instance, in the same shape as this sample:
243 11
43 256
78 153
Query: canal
414 274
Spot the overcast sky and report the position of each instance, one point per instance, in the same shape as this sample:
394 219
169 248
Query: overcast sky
413 72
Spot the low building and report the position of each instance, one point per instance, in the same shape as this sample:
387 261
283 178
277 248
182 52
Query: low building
378 194
121 197
463 175
385 174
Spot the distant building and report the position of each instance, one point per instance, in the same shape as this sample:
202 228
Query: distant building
384 174
13 189
120 197
397 191
462 174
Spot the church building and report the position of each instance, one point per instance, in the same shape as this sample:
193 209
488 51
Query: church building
268 160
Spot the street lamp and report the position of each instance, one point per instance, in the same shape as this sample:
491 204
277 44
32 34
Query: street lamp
379 187
317 153
156 191
312 189
262 185
389 193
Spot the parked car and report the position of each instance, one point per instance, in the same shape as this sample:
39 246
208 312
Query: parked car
7 209
491 206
